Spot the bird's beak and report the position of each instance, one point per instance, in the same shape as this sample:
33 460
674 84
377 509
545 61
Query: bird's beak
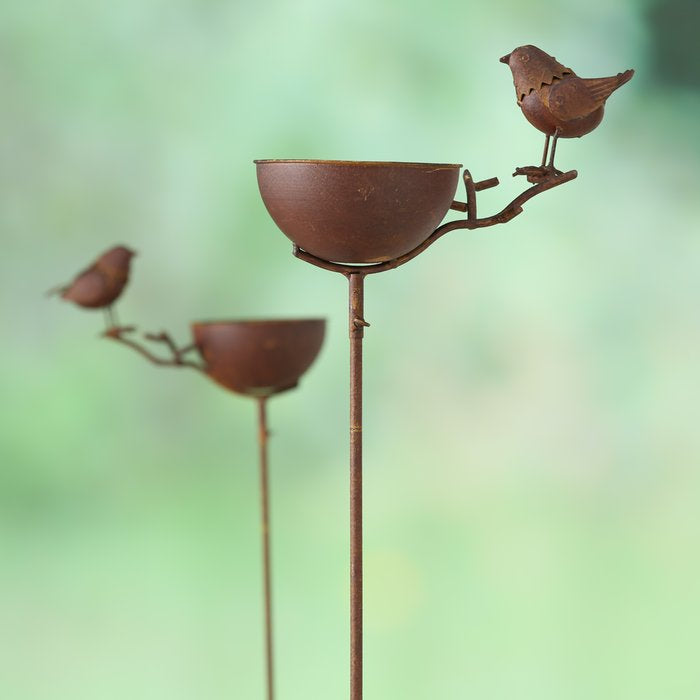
505 59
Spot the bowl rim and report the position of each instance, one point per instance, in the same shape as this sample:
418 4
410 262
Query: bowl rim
364 163
255 321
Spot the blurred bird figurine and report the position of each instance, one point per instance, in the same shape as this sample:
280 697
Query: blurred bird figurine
99 286
556 101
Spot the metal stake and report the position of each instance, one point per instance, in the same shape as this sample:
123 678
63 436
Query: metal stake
265 529
357 326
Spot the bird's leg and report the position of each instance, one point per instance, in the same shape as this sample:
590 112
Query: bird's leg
537 173
546 149
550 165
551 170
109 318
114 330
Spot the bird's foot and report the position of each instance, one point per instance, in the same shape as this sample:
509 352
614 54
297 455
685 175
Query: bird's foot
118 331
536 174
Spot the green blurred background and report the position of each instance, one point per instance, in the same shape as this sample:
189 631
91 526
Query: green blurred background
531 444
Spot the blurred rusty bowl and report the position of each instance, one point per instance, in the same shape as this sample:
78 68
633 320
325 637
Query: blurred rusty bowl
356 211
258 357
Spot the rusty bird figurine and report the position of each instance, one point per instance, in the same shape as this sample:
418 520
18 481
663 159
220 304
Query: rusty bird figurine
556 101
99 286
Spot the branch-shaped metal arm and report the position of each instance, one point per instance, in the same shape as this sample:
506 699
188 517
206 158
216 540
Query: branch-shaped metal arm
177 359
510 211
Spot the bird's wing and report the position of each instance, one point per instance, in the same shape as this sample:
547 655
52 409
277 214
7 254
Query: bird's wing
87 289
601 88
533 75
574 98
570 99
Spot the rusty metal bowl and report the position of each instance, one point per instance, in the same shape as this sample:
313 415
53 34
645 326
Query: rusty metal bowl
258 358
356 211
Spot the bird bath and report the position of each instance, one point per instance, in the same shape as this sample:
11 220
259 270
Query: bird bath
360 218
255 358
357 212
258 358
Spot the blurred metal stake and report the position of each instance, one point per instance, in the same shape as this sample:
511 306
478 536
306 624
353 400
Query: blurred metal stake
265 528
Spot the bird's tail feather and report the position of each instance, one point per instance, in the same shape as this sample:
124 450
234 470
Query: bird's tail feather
56 290
625 77
601 88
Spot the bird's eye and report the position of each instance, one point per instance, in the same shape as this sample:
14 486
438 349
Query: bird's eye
525 57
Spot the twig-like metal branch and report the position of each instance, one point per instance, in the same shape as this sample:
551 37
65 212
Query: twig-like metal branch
516 206
177 360
509 212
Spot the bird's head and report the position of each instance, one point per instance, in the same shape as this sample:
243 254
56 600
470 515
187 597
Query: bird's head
117 257
522 55
528 56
